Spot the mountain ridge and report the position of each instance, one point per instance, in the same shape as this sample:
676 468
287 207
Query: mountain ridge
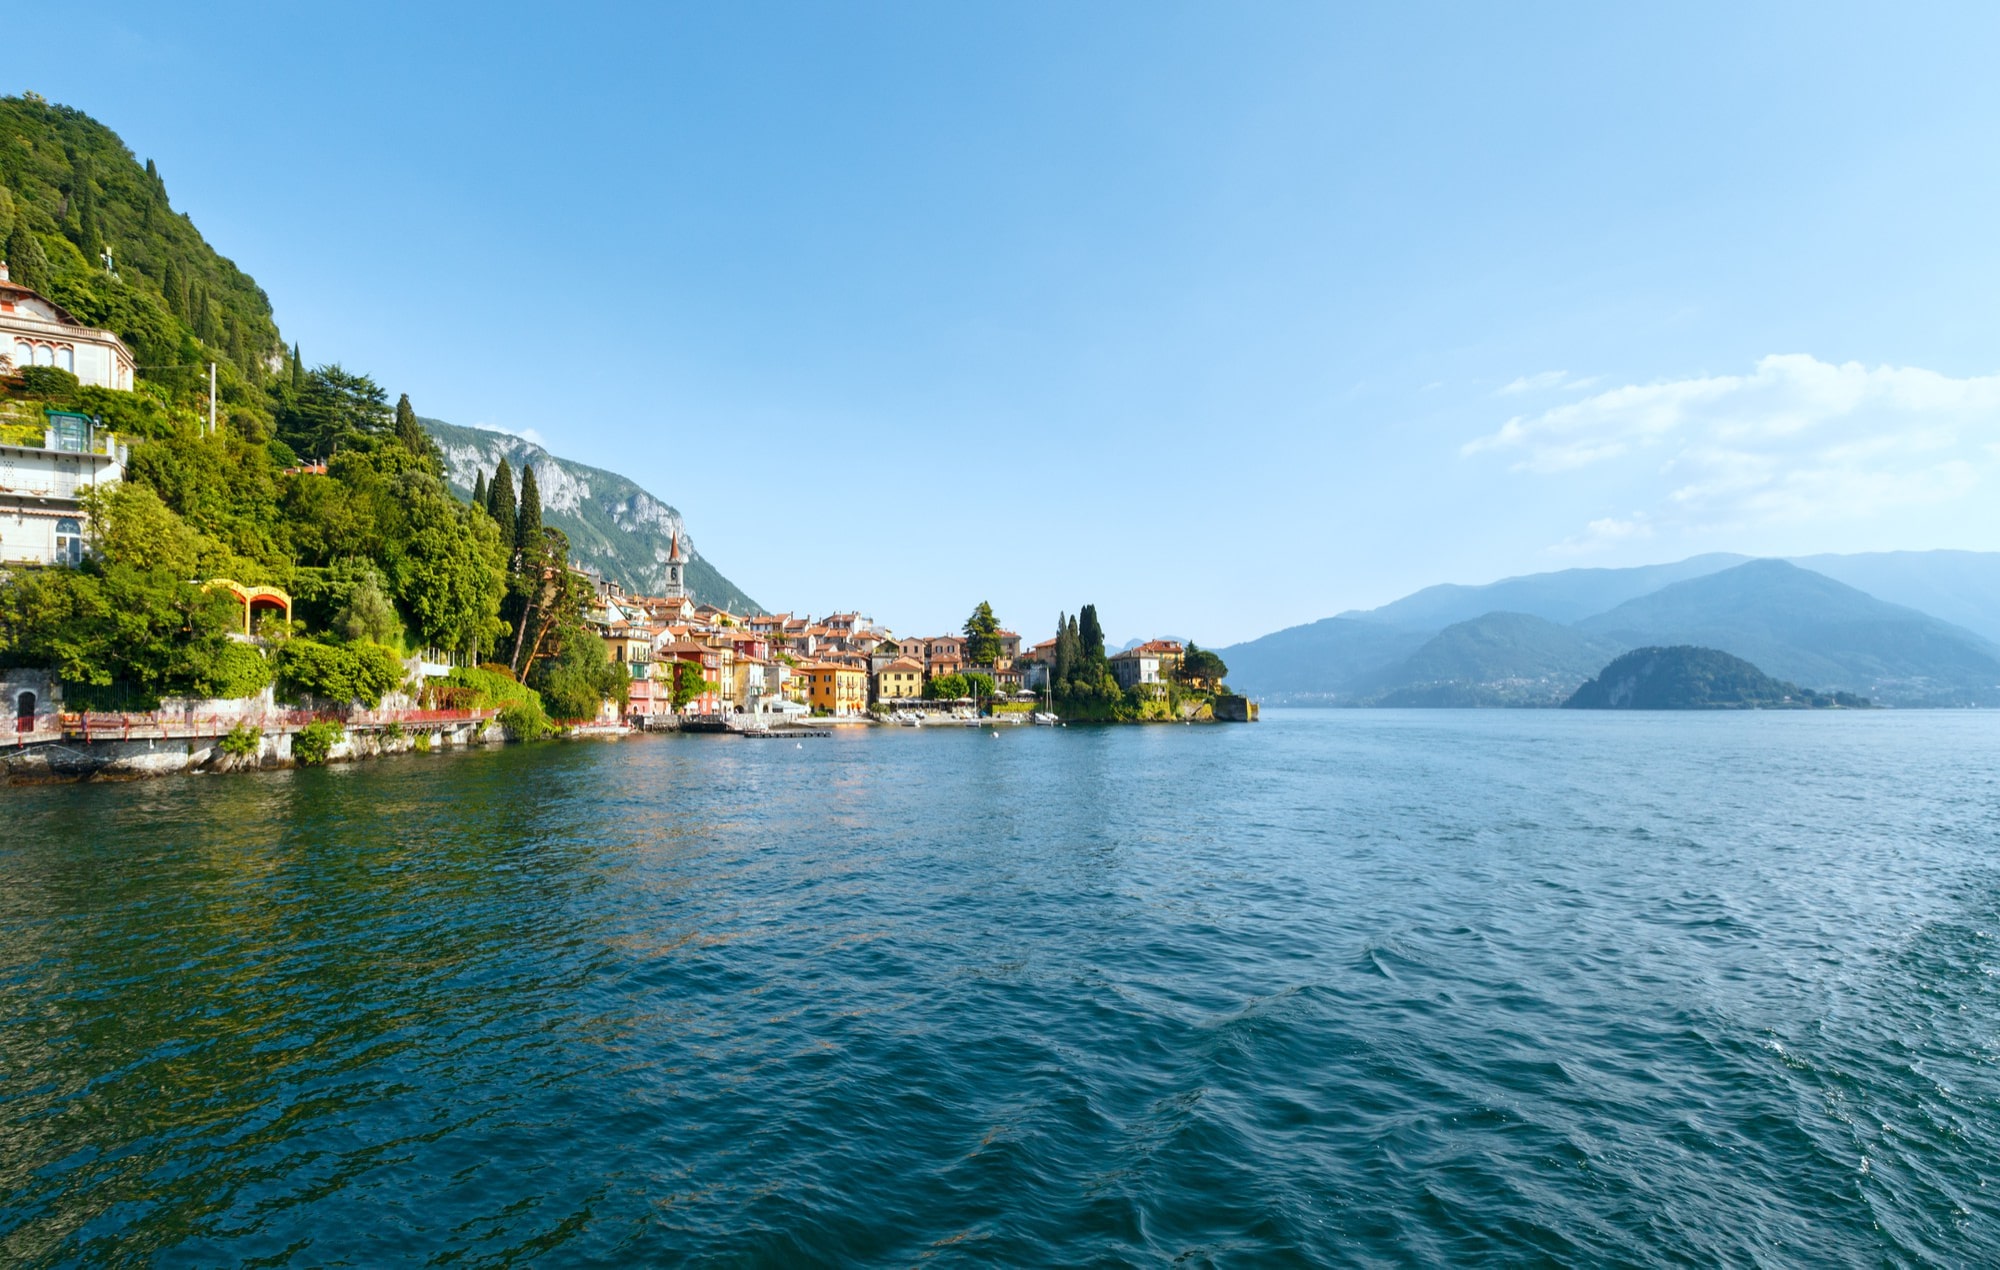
1898 652
614 525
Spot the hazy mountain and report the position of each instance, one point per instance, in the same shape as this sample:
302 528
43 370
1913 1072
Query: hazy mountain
1319 663
1805 627
1499 659
613 526
1568 595
1955 586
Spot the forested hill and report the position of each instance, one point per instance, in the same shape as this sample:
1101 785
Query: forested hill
613 525
70 189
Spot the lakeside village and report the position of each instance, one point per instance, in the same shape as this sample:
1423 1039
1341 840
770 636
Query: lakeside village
123 651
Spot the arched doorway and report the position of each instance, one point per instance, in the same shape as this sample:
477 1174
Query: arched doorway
24 713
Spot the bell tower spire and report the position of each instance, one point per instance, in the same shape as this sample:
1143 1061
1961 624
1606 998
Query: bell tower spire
676 584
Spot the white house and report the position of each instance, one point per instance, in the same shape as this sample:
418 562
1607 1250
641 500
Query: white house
42 489
36 331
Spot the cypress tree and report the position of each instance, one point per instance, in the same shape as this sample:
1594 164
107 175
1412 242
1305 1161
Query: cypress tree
528 523
1063 660
27 263
479 491
1090 634
298 368
408 430
500 501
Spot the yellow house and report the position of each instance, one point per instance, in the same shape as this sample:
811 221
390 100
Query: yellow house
836 689
900 680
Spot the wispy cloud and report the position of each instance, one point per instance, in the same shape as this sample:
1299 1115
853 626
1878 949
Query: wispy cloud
1601 535
1795 440
1547 381
526 434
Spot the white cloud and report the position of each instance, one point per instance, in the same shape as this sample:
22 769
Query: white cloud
1544 382
1608 532
529 435
1796 440
1534 383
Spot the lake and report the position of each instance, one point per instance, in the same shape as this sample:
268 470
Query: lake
1342 987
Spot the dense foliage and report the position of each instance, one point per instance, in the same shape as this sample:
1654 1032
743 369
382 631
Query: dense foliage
382 560
982 636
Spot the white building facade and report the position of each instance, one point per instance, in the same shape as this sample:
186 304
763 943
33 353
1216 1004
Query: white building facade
36 331
42 490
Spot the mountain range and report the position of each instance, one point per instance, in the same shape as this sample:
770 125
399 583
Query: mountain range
614 526
1533 640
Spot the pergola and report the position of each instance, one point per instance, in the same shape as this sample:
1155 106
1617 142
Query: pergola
252 596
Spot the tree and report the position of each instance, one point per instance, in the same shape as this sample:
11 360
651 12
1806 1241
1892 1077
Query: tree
551 598
1200 668
500 502
1090 633
982 636
528 521
367 614
451 570
332 410
688 683
27 263
580 676
410 432
479 491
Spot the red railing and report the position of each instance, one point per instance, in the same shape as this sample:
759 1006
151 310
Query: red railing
176 725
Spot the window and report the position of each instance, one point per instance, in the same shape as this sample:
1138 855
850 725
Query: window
24 353
66 359
44 355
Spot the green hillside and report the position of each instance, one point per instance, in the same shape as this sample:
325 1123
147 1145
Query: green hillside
1807 628
614 526
1689 678
1499 659
70 190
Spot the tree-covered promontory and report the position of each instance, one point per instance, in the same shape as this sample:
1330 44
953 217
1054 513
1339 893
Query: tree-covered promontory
1684 677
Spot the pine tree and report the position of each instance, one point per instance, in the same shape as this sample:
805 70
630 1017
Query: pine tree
479 491
500 501
528 522
27 263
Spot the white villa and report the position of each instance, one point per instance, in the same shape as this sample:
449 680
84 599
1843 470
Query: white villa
42 488
36 331
46 467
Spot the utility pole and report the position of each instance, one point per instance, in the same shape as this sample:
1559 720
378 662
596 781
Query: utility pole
211 399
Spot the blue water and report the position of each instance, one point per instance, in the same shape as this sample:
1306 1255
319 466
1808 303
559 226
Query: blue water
1372 988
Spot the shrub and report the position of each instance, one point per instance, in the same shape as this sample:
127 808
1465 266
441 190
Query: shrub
393 732
360 671
49 381
242 741
526 720
314 741
422 744
487 687
239 670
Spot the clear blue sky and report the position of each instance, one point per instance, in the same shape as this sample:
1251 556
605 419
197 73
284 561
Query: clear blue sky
1256 312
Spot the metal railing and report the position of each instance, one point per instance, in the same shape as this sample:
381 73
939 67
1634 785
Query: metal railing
178 725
